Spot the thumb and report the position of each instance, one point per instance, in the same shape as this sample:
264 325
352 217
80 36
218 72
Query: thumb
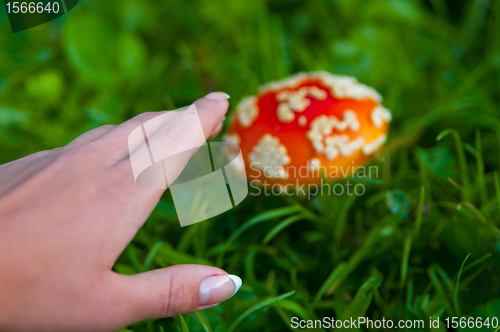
171 291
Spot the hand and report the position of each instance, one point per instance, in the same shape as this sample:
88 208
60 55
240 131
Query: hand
65 217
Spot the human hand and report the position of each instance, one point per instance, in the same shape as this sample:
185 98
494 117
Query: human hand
65 217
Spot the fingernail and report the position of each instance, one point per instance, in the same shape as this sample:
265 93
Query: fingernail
216 289
237 283
217 96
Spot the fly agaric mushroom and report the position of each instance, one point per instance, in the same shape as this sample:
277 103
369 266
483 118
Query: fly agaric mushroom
306 123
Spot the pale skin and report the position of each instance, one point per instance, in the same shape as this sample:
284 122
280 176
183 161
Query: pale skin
65 217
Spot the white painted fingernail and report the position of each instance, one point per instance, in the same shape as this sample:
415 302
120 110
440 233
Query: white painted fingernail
216 289
237 283
217 95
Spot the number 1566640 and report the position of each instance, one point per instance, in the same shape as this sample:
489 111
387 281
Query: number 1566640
23 7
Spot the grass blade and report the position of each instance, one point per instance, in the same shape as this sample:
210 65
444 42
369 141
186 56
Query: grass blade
362 300
184 326
280 226
409 296
256 307
404 260
476 262
435 281
462 162
420 212
480 170
339 225
334 275
474 209
283 315
497 188
203 321
296 308
457 307
151 255
265 216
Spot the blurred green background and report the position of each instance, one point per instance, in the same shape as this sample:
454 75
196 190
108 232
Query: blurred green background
395 252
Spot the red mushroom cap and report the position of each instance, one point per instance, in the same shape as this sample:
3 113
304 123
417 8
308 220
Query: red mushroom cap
306 124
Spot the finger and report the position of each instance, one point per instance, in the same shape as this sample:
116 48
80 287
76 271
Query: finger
172 138
210 109
171 291
210 112
142 194
160 148
216 131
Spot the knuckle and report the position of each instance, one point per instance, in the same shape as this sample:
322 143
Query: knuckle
105 128
143 117
167 299
75 157
68 158
178 297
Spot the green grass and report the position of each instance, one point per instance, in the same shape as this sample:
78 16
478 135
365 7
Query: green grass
396 252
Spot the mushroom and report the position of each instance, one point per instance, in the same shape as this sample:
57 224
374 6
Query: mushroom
299 127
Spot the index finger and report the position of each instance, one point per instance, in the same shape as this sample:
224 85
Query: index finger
210 114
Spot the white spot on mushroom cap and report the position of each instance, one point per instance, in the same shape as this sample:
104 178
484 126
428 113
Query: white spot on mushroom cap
247 111
232 150
324 125
374 145
270 155
332 146
296 101
341 145
314 164
341 86
284 113
232 139
302 121
379 115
